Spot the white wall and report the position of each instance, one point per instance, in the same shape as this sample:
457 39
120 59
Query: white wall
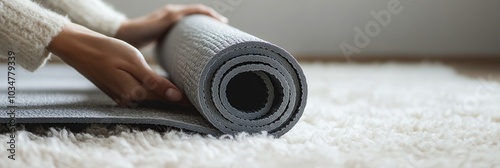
436 27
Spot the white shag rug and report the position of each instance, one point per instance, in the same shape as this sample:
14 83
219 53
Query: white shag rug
370 115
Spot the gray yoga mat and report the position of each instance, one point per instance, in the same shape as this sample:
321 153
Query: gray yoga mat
237 82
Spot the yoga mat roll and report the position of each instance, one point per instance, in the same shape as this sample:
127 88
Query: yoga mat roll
238 82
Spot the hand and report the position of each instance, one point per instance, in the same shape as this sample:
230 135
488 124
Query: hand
147 29
115 67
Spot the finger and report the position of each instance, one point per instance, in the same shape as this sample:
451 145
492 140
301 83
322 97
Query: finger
127 89
133 91
110 94
156 98
202 9
152 96
158 84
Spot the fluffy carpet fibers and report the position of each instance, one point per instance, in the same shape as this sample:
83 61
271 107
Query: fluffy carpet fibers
371 115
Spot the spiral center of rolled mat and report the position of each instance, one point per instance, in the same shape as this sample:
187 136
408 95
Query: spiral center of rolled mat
250 85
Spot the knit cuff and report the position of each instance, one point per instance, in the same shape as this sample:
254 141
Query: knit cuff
27 29
93 14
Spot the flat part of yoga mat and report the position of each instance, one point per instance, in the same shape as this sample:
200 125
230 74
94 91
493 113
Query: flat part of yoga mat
59 94
237 81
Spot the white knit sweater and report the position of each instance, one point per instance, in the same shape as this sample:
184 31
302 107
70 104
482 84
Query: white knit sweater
27 27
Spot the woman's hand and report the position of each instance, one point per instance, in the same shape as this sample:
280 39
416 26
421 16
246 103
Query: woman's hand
115 67
147 29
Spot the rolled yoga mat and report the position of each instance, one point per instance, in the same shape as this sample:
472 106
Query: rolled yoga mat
237 82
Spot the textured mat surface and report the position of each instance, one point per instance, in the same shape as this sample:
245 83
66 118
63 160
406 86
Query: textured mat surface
237 82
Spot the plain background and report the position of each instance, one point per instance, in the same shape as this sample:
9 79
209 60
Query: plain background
317 27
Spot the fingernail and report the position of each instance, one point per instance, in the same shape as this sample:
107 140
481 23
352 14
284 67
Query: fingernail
173 94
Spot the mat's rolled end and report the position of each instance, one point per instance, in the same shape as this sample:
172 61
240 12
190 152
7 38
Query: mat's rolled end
238 82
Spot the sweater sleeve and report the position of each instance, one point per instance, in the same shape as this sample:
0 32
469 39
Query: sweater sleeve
93 14
27 29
